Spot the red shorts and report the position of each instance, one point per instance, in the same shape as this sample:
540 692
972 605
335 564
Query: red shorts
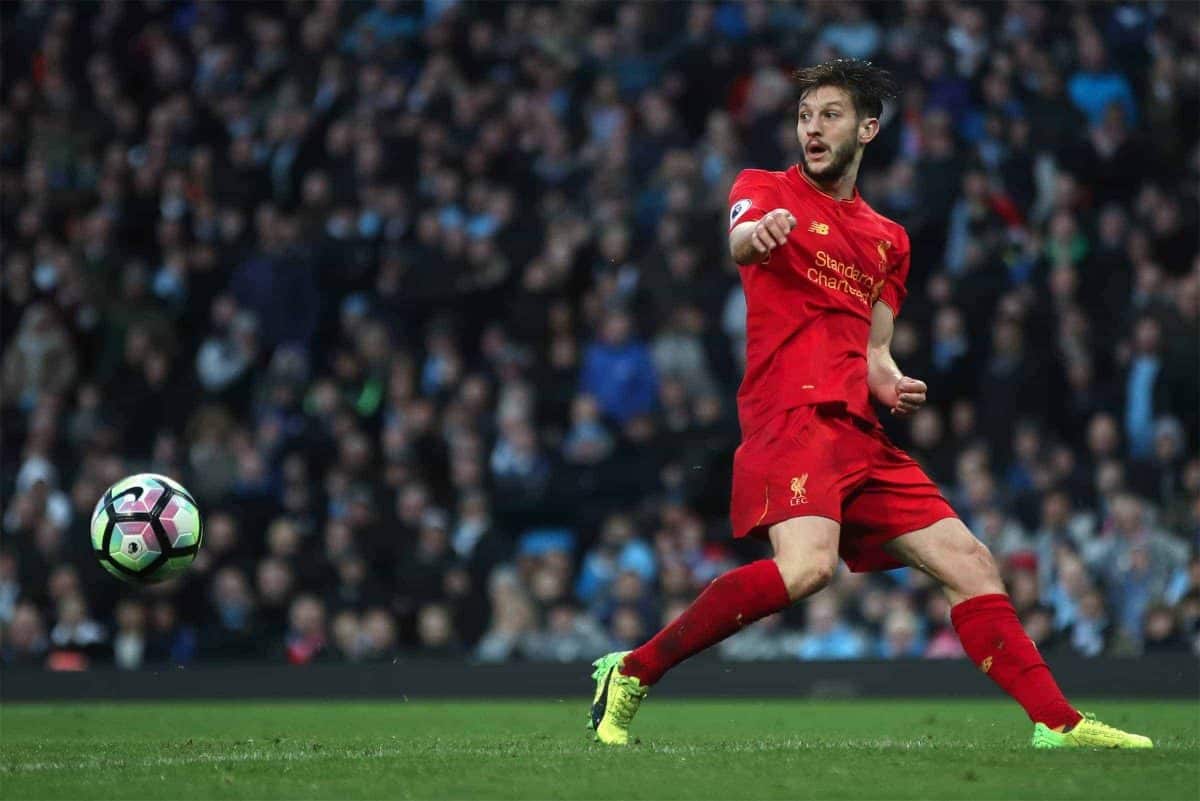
819 460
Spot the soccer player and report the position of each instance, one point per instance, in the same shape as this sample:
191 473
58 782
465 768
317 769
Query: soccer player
824 276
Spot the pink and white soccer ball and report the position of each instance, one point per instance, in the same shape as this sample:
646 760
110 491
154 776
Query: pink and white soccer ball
146 528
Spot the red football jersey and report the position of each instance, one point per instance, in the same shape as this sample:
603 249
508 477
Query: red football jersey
808 308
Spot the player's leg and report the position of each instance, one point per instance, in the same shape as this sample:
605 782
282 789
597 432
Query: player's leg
790 478
804 561
984 617
992 635
899 517
952 556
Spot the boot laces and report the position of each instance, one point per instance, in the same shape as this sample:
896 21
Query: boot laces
1100 726
625 703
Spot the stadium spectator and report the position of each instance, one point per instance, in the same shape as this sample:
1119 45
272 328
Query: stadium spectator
619 549
901 636
1091 630
765 639
588 440
1094 86
40 360
395 294
378 634
169 642
305 640
436 635
129 639
25 640
232 628
618 371
346 633
568 636
1162 632
76 638
1038 622
943 642
512 618
827 635
10 587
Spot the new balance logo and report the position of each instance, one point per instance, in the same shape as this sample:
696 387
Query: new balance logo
799 493
818 228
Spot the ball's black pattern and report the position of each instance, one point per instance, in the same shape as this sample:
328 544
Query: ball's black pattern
166 550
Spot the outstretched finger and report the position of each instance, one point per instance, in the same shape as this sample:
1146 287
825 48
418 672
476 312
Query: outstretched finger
777 231
761 242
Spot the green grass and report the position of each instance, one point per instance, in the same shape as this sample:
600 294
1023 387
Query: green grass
539 749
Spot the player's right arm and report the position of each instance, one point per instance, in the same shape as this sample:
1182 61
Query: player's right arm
757 222
752 242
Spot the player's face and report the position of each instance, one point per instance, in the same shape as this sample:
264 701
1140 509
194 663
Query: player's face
828 132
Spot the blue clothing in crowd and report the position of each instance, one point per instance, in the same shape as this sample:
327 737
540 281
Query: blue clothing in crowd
621 378
1093 92
282 293
841 642
599 570
1139 405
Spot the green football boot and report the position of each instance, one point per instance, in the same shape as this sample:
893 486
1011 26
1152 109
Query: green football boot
616 700
1088 733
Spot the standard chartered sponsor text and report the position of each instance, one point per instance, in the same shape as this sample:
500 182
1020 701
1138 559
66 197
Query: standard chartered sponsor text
850 276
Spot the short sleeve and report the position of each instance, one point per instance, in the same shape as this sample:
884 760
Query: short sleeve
895 288
753 194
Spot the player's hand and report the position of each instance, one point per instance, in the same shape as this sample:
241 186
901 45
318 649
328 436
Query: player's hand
772 231
910 396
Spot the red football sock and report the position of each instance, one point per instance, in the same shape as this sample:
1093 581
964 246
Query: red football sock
993 638
729 602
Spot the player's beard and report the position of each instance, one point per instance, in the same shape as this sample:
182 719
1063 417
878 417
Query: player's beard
840 159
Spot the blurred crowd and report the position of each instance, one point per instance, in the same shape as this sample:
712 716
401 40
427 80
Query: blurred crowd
430 305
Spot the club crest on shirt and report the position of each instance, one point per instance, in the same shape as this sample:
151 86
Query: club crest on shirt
882 247
799 493
739 208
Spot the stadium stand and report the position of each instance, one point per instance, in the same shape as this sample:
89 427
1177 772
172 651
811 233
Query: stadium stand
430 306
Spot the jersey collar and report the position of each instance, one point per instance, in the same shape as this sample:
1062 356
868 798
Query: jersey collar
799 176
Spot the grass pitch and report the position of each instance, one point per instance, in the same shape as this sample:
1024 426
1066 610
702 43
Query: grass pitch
539 749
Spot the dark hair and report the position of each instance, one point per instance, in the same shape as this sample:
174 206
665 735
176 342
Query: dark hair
867 84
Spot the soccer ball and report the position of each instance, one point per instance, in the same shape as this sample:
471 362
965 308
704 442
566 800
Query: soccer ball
146 528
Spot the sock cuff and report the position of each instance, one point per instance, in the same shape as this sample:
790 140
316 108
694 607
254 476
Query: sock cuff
980 605
766 574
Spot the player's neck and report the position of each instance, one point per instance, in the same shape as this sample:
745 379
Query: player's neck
841 189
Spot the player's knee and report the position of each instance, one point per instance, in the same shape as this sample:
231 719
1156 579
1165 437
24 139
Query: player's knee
984 561
980 574
804 576
822 574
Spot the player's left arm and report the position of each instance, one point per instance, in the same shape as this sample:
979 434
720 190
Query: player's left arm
889 385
